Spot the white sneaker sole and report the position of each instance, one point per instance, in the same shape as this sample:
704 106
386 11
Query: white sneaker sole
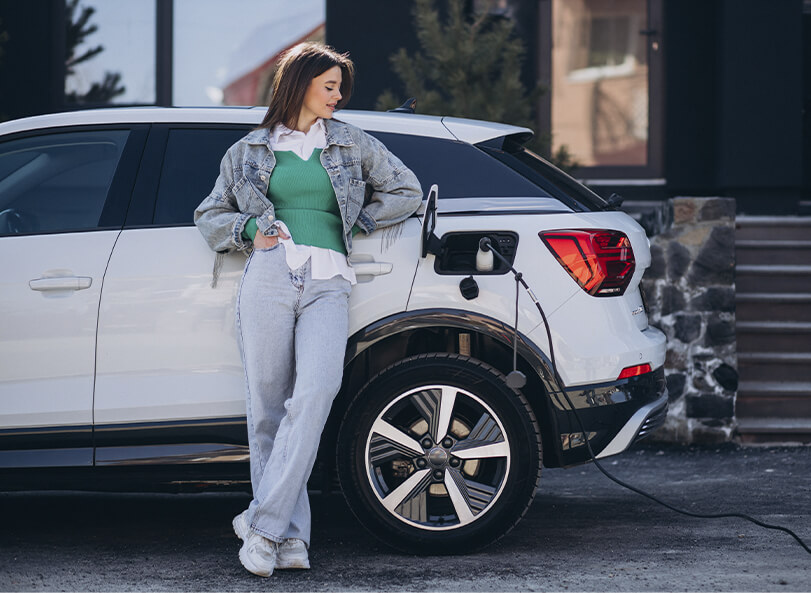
292 563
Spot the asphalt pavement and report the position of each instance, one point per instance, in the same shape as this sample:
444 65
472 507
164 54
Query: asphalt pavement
582 533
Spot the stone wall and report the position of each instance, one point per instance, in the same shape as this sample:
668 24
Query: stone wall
690 293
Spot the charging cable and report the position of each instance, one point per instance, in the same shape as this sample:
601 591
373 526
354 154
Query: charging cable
485 245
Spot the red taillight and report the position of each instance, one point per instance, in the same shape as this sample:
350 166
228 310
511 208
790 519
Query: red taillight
633 371
601 262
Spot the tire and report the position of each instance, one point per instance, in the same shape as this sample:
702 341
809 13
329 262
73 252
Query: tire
427 477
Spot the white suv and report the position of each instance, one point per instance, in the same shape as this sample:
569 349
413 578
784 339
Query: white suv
118 361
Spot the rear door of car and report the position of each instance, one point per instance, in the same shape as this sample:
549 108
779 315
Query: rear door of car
169 382
63 198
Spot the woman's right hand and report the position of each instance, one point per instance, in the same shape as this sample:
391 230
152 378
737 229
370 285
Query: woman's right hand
260 241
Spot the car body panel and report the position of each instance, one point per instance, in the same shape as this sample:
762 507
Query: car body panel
48 336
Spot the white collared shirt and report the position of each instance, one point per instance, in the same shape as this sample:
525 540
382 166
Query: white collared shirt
325 263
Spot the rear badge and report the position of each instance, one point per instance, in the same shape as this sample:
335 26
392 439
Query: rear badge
638 311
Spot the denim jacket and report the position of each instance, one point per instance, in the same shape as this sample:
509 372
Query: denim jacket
373 187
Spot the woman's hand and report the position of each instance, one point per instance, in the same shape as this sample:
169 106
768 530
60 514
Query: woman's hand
263 242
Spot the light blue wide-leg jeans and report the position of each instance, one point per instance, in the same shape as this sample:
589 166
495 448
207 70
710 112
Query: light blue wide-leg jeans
292 332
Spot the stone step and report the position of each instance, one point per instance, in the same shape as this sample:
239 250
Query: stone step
753 252
763 306
773 336
773 399
774 430
773 278
786 228
775 366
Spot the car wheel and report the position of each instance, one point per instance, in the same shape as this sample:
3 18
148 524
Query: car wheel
437 455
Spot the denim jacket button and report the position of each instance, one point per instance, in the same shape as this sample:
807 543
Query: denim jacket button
270 217
262 177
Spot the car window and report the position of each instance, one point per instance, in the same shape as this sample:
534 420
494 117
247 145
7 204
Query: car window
459 169
57 182
510 151
191 164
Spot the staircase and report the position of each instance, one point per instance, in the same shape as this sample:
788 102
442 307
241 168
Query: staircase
773 297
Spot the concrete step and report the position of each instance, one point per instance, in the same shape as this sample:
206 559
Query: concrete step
773 336
763 306
775 366
785 228
773 278
754 252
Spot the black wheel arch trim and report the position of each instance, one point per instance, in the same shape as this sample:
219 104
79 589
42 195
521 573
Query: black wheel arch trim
457 319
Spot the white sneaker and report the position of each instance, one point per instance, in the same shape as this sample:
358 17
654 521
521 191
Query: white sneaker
240 524
292 554
258 555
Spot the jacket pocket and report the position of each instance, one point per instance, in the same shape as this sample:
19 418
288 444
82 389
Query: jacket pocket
248 198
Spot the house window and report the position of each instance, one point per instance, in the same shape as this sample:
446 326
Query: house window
109 52
600 82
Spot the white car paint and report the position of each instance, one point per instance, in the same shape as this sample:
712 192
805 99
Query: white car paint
48 332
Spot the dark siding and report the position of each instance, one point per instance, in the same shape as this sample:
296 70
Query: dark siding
32 74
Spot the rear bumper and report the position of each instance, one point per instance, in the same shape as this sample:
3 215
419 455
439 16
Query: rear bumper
614 414
646 419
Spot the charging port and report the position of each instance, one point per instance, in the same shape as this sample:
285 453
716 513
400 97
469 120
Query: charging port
457 252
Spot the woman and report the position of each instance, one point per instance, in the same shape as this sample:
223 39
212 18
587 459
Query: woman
293 192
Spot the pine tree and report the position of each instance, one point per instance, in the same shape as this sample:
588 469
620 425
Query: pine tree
468 67
77 28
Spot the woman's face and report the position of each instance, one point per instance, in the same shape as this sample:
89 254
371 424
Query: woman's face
321 98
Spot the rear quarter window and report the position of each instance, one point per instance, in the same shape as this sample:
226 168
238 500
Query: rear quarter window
459 169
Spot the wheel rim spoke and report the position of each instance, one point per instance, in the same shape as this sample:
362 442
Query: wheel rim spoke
480 450
414 485
398 439
457 491
446 403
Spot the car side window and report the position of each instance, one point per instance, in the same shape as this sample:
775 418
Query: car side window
190 167
57 182
460 170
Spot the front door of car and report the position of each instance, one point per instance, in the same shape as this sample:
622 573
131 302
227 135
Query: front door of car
63 196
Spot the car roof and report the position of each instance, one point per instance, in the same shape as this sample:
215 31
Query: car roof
452 128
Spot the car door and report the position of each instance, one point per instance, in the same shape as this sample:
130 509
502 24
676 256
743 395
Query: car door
169 376
63 197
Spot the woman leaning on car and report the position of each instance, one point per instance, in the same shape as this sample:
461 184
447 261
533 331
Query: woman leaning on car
293 193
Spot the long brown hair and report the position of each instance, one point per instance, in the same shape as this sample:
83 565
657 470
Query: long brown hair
297 68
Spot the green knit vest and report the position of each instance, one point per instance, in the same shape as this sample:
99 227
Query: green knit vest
305 201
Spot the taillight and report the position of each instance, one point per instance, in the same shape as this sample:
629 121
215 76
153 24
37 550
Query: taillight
601 262
634 371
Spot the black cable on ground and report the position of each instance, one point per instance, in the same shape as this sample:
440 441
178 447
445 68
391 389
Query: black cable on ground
605 472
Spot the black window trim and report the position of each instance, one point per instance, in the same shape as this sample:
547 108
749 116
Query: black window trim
143 206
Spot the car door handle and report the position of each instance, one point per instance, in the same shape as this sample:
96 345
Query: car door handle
60 283
372 268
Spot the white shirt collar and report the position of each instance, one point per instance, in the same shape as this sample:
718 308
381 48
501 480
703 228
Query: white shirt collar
303 144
